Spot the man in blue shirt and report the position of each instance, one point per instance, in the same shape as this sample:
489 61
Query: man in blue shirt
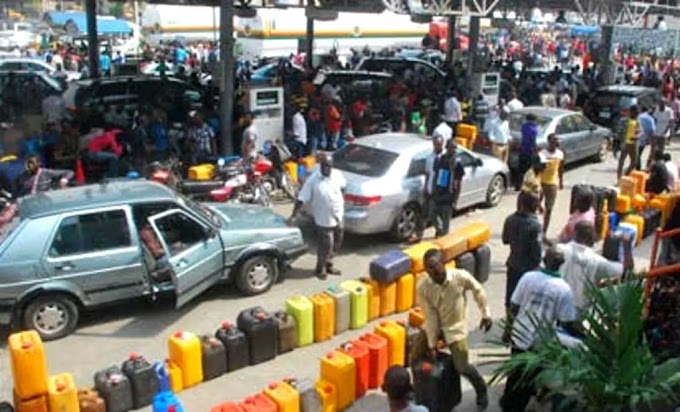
105 64
180 55
648 128
527 148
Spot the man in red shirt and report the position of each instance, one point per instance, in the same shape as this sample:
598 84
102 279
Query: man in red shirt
106 149
333 122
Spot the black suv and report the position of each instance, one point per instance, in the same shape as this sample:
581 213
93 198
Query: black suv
610 103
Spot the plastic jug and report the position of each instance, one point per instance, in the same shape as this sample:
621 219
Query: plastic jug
339 369
286 398
396 338
29 364
259 403
309 397
235 344
62 394
288 331
405 291
328 395
213 357
302 309
640 177
342 308
227 407
373 293
476 233
416 343
162 376
358 303
262 333
166 402
292 168
388 299
628 186
639 222
358 350
176 376
90 401
185 352
204 171
143 380
379 358
35 404
114 388
416 317
324 317
417 253
623 204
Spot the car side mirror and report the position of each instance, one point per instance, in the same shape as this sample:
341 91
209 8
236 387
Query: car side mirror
210 232
479 162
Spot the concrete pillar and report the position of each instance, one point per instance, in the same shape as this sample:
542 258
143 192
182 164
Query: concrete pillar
450 40
92 41
474 42
226 64
309 43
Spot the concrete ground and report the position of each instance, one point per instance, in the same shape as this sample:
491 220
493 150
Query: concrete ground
107 337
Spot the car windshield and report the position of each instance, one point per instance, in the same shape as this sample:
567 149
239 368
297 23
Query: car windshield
202 210
516 120
613 99
363 160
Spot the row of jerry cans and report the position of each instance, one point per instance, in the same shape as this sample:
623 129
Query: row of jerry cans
288 395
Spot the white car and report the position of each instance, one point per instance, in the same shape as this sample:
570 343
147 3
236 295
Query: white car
28 64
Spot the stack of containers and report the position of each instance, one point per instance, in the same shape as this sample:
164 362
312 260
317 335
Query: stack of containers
386 272
29 371
466 135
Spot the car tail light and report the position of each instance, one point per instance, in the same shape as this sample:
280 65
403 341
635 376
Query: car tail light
362 200
483 141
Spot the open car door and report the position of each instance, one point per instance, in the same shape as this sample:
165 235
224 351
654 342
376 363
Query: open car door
194 252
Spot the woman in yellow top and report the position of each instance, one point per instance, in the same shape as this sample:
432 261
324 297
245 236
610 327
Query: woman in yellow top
552 176
531 183
631 134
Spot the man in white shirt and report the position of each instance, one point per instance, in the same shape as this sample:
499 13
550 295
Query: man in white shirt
499 135
444 131
665 120
673 172
300 131
513 103
453 112
584 266
323 191
429 208
541 295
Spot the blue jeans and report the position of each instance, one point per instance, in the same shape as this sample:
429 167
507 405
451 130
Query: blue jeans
111 160
334 138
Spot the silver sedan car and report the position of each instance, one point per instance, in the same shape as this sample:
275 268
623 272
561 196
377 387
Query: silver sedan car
385 176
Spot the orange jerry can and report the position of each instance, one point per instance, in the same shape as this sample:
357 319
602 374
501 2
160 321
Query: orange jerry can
339 369
396 338
328 395
639 202
452 246
29 364
664 204
417 253
476 233
373 292
388 298
358 350
623 204
227 407
291 167
466 131
640 177
286 398
416 318
379 358
258 403
639 222
35 404
62 393
185 352
175 376
405 292
324 317
628 186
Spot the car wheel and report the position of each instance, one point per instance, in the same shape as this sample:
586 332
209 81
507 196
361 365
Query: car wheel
52 316
257 274
601 154
406 223
496 190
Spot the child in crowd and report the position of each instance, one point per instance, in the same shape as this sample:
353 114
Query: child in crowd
399 390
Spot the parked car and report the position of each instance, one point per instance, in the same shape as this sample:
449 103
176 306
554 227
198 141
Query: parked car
44 84
385 176
266 74
28 64
175 96
579 137
80 248
610 103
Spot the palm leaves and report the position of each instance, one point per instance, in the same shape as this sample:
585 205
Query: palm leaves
613 370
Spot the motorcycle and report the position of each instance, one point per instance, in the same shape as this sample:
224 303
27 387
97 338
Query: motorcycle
278 177
8 209
245 187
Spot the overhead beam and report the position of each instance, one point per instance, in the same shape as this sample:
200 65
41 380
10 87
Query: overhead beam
477 8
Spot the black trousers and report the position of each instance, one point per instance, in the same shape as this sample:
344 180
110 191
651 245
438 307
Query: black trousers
330 241
522 168
516 395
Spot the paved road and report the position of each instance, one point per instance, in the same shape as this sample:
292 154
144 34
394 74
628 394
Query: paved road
108 336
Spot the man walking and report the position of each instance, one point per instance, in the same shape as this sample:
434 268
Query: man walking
442 296
665 120
429 213
631 135
648 128
527 148
323 191
551 177
499 134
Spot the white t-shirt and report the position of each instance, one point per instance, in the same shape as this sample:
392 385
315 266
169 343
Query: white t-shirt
582 265
663 120
325 198
514 104
452 110
543 297
672 176
429 169
444 131
299 128
499 131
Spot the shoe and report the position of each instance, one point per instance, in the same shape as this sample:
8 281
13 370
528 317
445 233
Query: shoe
482 402
333 271
321 275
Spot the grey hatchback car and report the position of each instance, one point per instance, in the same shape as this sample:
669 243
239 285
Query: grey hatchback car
385 176
83 247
